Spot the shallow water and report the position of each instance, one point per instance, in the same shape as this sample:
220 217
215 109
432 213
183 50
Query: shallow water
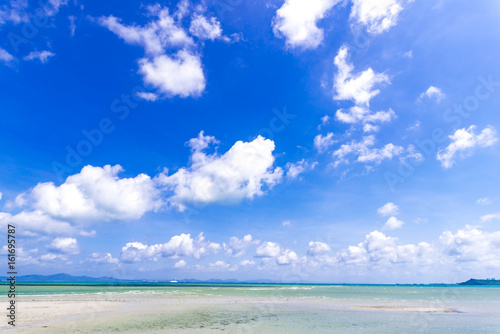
279 309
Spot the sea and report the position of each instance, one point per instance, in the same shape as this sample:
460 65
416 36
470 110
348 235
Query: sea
279 308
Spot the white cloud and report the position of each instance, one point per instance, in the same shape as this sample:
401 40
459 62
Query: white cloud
433 92
286 223
317 247
297 20
467 249
64 245
103 258
472 246
14 11
155 36
95 193
299 167
51 7
490 217
287 257
181 74
268 249
51 257
377 16
322 143
247 263
219 265
370 128
483 201
43 56
358 114
380 250
364 153
204 28
408 54
414 126
271 250
148 96
180 264
356 87
37 221
72 25
5 56
464 142
177 246
393 223
242 172
236 247
388 209
172 65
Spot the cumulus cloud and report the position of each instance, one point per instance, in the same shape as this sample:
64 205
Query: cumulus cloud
172 63
180 264
271 250
64 245
14 11
6 57
322 143
94 193
242 172
380 250
468 249
177 75
388 209
219 265
365 153
178 246
154 37
204 28
148 96
317 247
236 247
490 217
43 56
297 20
247 263
268 249
471 246
102 258
356 87
393 223
370 128
36 221
377 16
357 114
293 170
287 257
464 142
433 93
483 201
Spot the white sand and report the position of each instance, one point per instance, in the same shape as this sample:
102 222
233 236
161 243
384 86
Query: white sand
68 313
405 308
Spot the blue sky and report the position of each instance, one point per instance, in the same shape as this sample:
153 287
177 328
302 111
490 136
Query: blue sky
324 141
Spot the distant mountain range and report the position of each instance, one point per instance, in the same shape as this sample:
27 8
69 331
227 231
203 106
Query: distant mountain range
65 278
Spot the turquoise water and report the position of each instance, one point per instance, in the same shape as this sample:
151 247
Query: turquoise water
266 308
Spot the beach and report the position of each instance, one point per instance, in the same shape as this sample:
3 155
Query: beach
254 309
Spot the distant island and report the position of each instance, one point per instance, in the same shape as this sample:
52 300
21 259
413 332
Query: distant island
489 281
64 279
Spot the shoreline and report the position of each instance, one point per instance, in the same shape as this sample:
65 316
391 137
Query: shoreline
64 313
